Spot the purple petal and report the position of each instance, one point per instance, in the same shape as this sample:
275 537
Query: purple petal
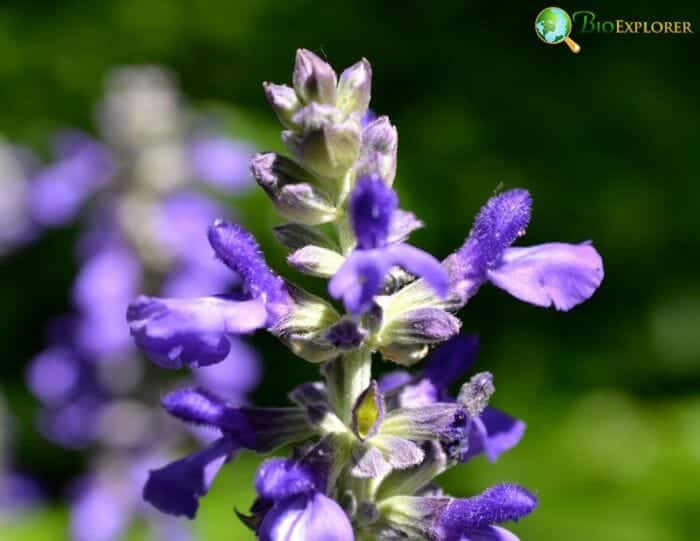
306 517
495 505
488 533
221 162
238 249
346 335
420 394
502 220
493 433
449 362
176 488
279 478
100 514
403 223
558 274
394 380
200 407
191 332
421 264
372 206
359 279
57 191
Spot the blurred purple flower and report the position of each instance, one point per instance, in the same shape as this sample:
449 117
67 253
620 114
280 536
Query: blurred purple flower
222 162
82 166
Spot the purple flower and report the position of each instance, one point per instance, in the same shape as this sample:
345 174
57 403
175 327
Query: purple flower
221 162
558 274
176 488
195 332
191 332
108 280
82 166
492 432
293 492
362 275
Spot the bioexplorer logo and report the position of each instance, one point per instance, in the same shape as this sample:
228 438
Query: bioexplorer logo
553 26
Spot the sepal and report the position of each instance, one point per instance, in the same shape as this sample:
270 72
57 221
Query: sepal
314 80
316 261
284 102
355 87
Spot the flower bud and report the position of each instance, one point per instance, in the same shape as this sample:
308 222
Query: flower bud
378 151
421 326
315 116
404 355
292 189
305 326
328 151
316 261
354 88
284 102
314 79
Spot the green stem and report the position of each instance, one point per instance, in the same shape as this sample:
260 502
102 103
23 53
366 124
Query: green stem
346 378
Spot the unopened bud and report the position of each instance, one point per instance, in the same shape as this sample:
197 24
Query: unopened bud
404 355
316 261
292 189
354 88
284 102
329 151
314 79
421 326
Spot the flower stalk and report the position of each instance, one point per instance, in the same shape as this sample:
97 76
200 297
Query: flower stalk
367 470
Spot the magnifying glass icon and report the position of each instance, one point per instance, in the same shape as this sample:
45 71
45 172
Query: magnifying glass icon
553 26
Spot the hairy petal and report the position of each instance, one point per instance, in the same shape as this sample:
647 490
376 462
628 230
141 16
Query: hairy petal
498 504
558 274
238 249
500 221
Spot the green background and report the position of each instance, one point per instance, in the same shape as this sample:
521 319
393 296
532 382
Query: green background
606 141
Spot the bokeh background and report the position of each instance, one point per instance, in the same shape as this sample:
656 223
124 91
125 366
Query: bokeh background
608 142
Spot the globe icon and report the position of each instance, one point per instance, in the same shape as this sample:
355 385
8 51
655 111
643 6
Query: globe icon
553 26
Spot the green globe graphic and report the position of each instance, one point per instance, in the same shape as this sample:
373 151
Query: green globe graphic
553 25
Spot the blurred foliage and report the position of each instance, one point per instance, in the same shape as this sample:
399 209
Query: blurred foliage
606 141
